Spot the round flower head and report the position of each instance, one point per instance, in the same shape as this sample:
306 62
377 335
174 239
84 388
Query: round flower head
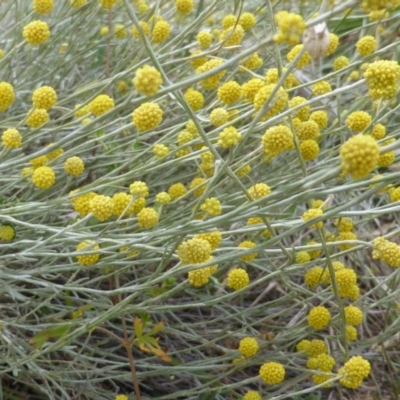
120 31
101 207
320 118
354 371
43 6
177 190
309 149
238 279
366 45
36 32
139 189
229 137
276 103
147 218
160 150
107 4
212 81
248 347
353 315
253 62
74 166
81 204
313 276
44 97
161 31
379 131
147 116
272 373
184 6
101 104
252 395
211 206
250 89
195 99
204 39
303 345
232 36
386 251
302 257
247 21
198 186
382 77
7 233
11 138
259 190
333 44
122 204
163 198
199 277
359 156
319 317
229 92
88 259
340 63
308 130
7 95
247 244
213 238
302 113
351 333
104 31
145 28
219 116
294 52
277 140
273 76
316 348
147 80
37 117
194 251
198 61
357 121
43 177
311 214
321 88
290 27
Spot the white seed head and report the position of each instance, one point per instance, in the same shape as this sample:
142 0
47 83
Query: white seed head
316 40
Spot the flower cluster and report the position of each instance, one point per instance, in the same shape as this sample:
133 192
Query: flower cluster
36 32
386 251
382 78
354 372
147 80
277 140
290 27
272 373
147 116
248 347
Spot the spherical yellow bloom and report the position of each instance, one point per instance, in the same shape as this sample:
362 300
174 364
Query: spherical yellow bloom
386 251
212 81
351 333
354 371
250 89
81 203
333 44
302 257
204 39
321 88
214 238
211 206
38 161
259 190
74 166
161 31
42 6
145 28
160 150
198 61
316 348
387 158
219 116
104 31
353 315
323 362
194 251
184 137
366 45
244 171
313 276
199 277
139 189
36 32
81 111
273 76
302 113
147 218
7 233
304 59
43 177
248 347
232 36
37 117
229 137
309 149
320 117
195 99
11 138
303 345
252 395
344 224
88 259
319 317
359 156
184 6
120 31
290 27
346 236
44 97
276 104
122 204
121 397
101 207
147 116
238 279
229 21
177 190
277 140
163 198
340 63
247 21
101 104
357 121
7 95
272 373
229 92
107 4
247 244
395 195
382 77
379 131
77 3
253 62
147 80
198 186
